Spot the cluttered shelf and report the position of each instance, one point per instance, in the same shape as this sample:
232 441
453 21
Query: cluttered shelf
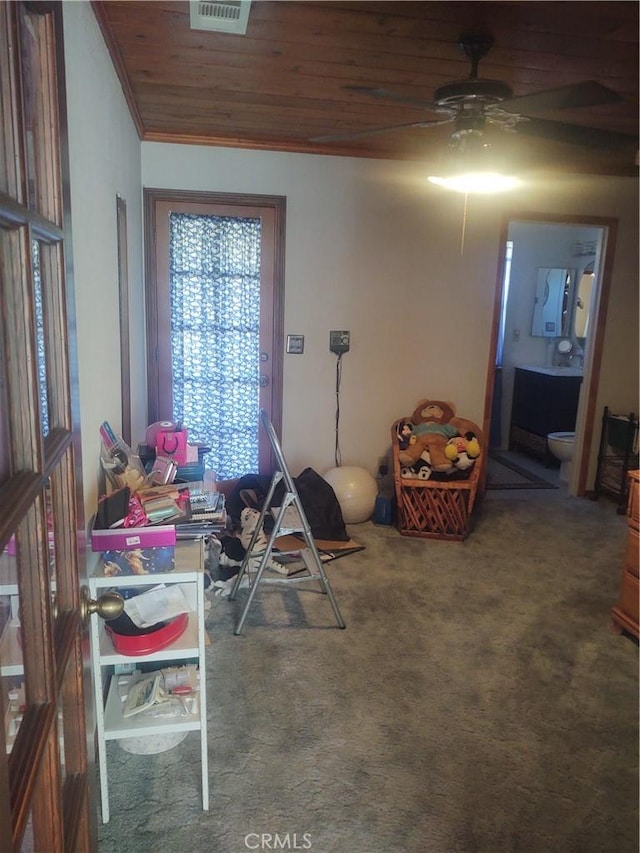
148 661
148 507
184 646
149 533
118 724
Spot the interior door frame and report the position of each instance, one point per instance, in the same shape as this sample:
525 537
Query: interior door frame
123 314
591 377
155 199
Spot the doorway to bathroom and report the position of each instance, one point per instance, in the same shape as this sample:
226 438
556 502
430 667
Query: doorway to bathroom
544 260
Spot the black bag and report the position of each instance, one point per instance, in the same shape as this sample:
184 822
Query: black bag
321 506
317 497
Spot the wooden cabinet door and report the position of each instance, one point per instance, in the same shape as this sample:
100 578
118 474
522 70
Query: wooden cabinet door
544 404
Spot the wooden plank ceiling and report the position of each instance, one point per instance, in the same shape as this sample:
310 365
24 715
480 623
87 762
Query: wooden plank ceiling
285 83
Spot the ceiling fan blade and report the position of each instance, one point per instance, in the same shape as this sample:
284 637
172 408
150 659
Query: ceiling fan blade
585 94
388 95
343 137
591 137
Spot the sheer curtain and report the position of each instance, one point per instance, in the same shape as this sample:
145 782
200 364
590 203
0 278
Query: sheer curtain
214 281
40 337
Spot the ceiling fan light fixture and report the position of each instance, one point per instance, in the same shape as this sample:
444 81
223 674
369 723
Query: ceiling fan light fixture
476 183
470 165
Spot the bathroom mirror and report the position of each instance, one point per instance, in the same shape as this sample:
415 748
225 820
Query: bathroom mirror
552 302
583 303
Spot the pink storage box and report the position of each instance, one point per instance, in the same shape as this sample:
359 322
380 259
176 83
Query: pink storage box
133 538
11 549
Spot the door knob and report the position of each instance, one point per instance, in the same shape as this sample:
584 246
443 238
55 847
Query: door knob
108 606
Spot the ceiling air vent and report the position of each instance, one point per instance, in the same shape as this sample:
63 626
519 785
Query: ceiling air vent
222 16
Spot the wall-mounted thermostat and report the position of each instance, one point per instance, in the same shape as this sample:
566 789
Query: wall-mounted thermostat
339 342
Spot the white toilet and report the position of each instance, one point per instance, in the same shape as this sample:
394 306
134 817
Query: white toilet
561 446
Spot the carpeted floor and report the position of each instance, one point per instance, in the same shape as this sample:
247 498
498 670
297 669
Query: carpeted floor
477 702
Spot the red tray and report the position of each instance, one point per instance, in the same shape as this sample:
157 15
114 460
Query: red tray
144 644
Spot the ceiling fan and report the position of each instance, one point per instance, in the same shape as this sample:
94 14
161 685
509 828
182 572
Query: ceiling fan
472 104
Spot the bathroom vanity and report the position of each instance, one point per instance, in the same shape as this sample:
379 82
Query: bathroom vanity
545 399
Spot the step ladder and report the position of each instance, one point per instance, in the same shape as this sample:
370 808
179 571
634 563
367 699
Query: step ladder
289 518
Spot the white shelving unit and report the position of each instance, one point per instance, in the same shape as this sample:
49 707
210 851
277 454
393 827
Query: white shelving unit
190 646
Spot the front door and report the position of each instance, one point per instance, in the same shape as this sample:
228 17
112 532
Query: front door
214 320
46 751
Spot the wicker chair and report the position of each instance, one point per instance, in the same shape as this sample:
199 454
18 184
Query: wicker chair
434 508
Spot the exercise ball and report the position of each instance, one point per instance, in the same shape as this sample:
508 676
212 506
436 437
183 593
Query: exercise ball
356 491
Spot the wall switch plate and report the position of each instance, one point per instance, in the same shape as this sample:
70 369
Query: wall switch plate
295 344
339 342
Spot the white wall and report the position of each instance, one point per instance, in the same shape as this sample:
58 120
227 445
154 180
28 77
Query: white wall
104 152
373 248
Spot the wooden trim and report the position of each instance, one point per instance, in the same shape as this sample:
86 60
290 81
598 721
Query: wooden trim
493 349
46 808
13 214
118 64
25 758
123 306
46 152
5 795
280 209
66 628
56 444
151 310
16 496
609 226
11 165
55 335
74 804
153 198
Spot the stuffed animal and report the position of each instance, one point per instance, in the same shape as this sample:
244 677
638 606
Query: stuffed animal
434 424
462 451
420 470
404 434
235 548
248 520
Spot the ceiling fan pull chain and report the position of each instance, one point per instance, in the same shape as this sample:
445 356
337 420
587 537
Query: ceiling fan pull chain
464 223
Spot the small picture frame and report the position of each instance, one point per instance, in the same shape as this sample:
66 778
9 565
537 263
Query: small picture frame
295 344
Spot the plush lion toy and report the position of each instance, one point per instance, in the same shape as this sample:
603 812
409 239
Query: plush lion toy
434 424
